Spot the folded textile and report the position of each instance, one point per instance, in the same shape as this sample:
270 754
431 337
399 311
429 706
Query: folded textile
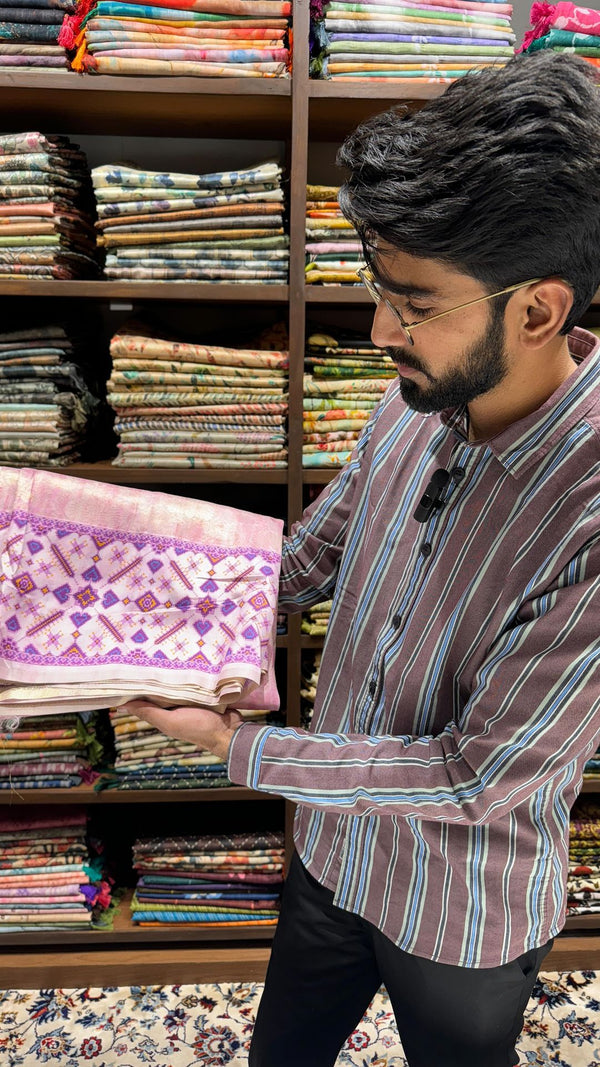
417 41
48 211
333 248
229 879
561 16
35 754
118 51
152 372
51 875
223 226
115 593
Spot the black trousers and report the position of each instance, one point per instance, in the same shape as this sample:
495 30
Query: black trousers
327 964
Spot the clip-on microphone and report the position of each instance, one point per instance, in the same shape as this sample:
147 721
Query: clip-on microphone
431 497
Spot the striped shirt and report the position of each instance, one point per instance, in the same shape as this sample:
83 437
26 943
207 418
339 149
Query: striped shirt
458 696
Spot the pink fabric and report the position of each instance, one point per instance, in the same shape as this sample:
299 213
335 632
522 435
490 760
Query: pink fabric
160 595
561 16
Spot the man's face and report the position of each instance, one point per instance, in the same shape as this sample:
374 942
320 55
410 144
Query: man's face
453 360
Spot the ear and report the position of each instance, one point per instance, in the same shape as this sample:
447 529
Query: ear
542 311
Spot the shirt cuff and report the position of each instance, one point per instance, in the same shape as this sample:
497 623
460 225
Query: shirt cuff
241 758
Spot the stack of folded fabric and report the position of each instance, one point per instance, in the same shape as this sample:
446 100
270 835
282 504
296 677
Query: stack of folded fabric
592 767
50 878
52 406
198 38
189 405
414 42
583 880
564 27
220 227
146 759
46 208
315 620
311 665
113 594
349 374
226 880
29 31
335 410
48 753
333 248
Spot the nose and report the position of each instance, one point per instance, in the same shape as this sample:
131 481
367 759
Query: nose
386 331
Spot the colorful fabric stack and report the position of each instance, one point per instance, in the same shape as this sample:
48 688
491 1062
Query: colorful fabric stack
46 208
51 878
52 408
414 42
311 665
220 227
316 619
226 880
583 881
198 38
189 405
333 248
48 753
113 593
29 31
349 377
564 27
146 759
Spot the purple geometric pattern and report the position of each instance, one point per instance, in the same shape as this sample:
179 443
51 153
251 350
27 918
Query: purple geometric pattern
73 595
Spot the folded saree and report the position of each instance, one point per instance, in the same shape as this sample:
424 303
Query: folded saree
113 593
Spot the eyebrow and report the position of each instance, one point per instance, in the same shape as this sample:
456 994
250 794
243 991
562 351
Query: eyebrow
404 290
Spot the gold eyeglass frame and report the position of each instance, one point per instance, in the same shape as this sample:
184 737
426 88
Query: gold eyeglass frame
377 293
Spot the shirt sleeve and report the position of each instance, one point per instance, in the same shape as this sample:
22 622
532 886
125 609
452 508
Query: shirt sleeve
533 712
313 551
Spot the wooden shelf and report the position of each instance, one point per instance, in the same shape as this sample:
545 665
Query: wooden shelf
105 472
85 794
124 931
190 107
131 291
319 476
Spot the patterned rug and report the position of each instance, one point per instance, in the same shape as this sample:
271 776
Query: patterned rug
211 1026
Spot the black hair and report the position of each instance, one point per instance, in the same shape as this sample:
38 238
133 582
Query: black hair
498 177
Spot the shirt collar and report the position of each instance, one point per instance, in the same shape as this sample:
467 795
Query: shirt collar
524 442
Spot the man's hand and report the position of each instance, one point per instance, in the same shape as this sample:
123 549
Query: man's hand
203 727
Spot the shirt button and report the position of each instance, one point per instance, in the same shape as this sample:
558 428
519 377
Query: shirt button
372 688
457 473
396 621
426 549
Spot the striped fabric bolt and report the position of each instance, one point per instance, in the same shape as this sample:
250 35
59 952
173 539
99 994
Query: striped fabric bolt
458 697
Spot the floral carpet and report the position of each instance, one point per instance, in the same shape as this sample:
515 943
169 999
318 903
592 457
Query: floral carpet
211 1026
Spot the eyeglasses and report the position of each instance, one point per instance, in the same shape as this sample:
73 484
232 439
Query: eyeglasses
378 294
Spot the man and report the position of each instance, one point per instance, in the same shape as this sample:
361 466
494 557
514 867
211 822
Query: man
458 697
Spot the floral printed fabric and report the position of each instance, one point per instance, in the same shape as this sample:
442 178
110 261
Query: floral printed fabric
333 248
349 376
112 593
227 406
583 884
137 38
413 41
560 16
211 1025
224 226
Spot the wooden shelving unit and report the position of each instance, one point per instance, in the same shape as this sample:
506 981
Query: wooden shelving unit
297 111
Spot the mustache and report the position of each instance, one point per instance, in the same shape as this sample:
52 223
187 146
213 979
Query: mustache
405 357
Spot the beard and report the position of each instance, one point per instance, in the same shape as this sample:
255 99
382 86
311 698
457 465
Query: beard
485 365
